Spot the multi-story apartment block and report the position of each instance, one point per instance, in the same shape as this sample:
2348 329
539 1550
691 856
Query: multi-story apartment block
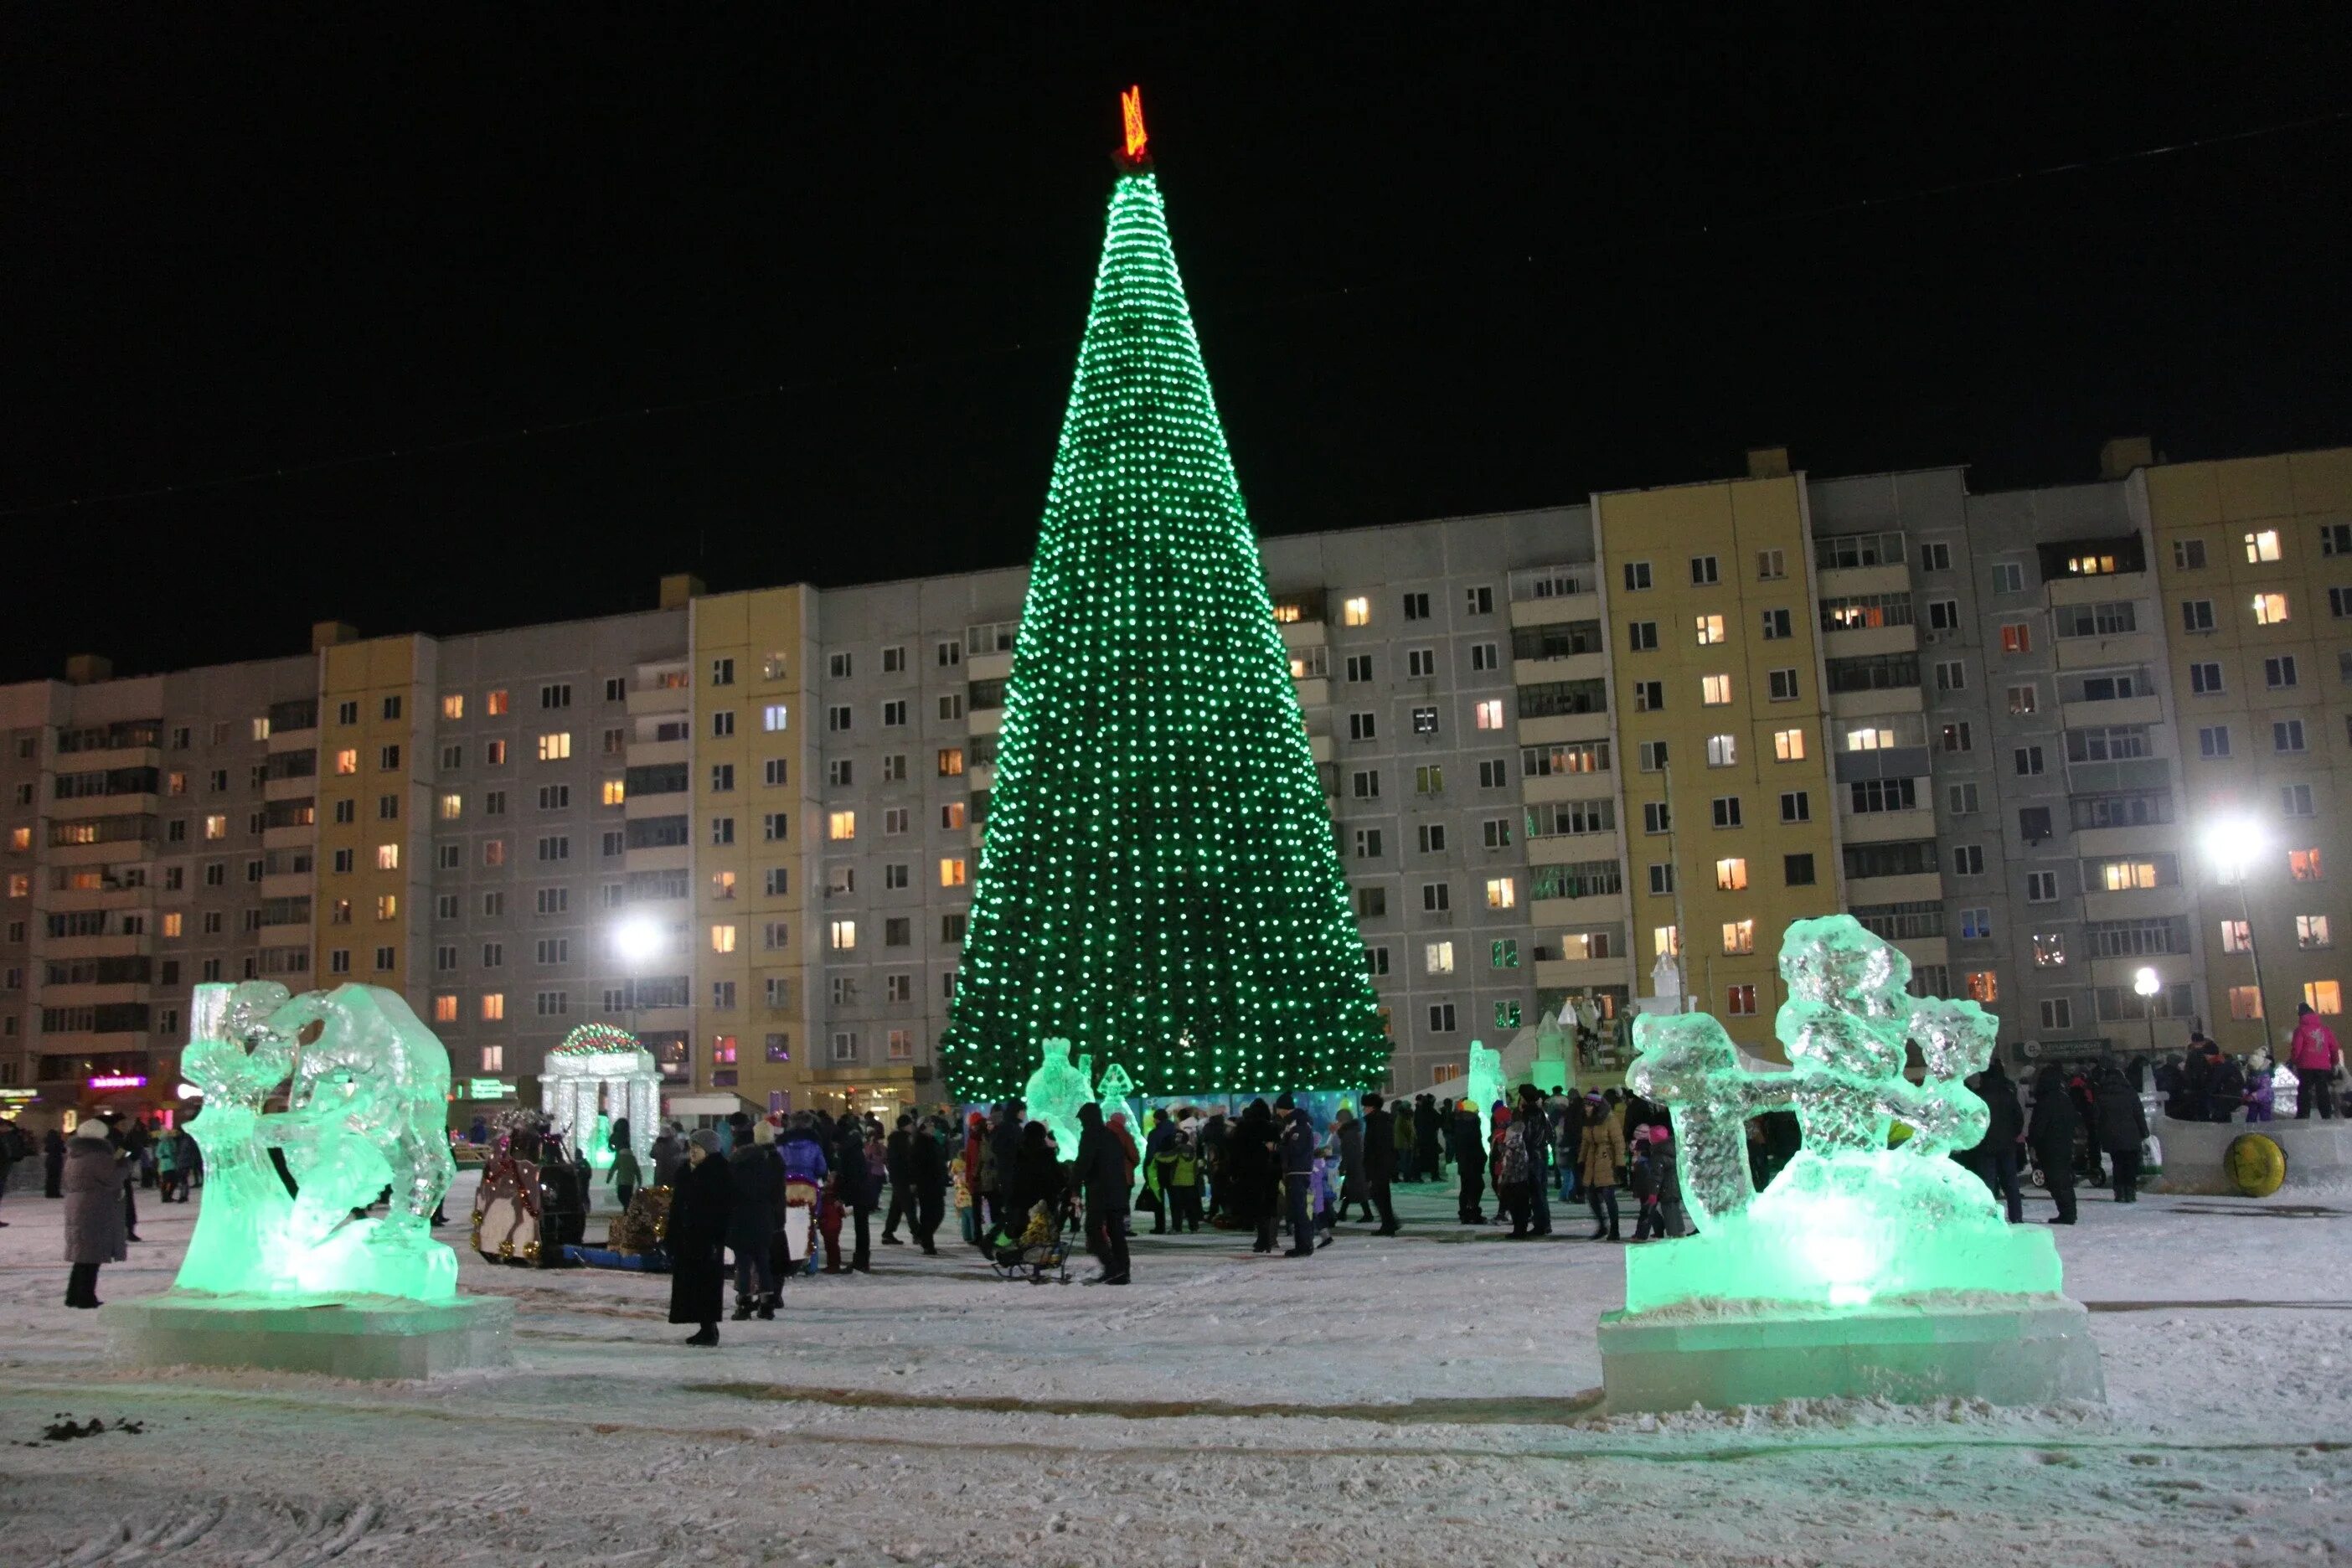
2057 744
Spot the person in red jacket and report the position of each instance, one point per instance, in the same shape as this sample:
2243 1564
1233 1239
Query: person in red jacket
2314 1056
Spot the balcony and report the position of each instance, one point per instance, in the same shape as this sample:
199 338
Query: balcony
2143 710
1917 887
1871 702
1588 909
1862 641
653 696
1578 667
1541 595
1551 972
995 666
1884 827
2101 652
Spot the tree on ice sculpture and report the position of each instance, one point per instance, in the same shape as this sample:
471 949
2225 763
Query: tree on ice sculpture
1847 1221
1157 882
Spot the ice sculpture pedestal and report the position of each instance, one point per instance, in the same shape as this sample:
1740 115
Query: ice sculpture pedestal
337 1336
2010 1350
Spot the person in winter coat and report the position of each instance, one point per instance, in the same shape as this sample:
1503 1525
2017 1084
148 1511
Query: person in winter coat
757 1176
974 1155
1535 1130
897 1164
2315 1057
1380 1162
95 1177
1508 1161
626 1176
669 1152
1996 1153
1132 1152
1099 1176
2119 1125
701 1205
807 1168
1428 1151
853 1189
927 1172
167 1167
1408 1146
1470 1156
1036 1178
2261 1094
1182 1185
1299 1181
2050 1130
1668 1168
53 1164
191 1161
1600 1155
1347 1138
1006 1141
1648 1222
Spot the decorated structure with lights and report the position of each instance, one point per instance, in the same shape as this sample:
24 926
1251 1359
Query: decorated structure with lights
1864 1269
598 1075
1157 884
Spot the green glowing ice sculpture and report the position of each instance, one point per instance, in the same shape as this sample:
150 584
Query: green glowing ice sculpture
1055 1092
1849 1221
1486 1089
366 1087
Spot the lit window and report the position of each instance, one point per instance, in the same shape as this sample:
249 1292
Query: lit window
950 762
453 807
453 707
843 935
494 1003
1666 941
387 906
2017 638
2237 936
722 939
556 747
1738 936
1356 613
1983 985
216 828
2303 865
2311 930
347 761
1789 745
444 1008
1731 874
1740 1001
2245 1002
1502 892
1715 690
1437 958
2263 545
494 1058
951 871
1490 713
2323 995
388 856
2269 609
616 792
1709 629
495 703
2124 876
841 825
722 884
1722 751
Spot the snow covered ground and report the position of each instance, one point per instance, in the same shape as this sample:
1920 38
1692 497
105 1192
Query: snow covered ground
1422 1400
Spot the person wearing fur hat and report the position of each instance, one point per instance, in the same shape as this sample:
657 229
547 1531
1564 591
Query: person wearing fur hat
95 1177
696 1234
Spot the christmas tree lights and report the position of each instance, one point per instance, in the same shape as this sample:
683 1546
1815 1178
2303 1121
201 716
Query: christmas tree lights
1159 883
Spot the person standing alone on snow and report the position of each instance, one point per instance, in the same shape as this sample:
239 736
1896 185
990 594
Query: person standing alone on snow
96 1177
696 1234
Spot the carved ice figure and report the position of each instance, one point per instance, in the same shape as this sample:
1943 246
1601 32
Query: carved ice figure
1848 1219
367 1107
1055 1090
1486 1089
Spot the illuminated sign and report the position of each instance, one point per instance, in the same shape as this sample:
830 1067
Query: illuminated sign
487 1088
120 1080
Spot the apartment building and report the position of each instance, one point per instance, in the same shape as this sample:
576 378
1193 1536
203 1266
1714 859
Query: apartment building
1558 745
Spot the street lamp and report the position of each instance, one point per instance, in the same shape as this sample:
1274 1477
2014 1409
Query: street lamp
2232 844
2148 983
637 939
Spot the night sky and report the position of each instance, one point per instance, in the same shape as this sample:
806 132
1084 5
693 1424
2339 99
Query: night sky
1443 262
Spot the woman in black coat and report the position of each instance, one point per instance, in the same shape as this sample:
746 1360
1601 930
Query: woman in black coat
2051 1130
2120 1123
697 1236
1037 1176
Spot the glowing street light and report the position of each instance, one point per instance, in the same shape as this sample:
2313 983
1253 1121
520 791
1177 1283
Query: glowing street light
2232 844
637 939
2148 982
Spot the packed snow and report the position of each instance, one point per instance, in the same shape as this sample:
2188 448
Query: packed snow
1431 1398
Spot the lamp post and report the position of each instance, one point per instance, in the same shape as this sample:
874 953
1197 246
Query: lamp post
2148 983
2232 844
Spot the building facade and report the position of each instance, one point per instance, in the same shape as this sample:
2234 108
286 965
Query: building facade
2068 748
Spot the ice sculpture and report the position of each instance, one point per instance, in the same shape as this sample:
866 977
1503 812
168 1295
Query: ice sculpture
1848 1220
366 1090
1055 1092
1486 1089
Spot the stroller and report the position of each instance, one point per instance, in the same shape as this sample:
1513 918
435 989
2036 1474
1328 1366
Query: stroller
1042 1251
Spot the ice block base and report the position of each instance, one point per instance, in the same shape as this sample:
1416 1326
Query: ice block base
342 1336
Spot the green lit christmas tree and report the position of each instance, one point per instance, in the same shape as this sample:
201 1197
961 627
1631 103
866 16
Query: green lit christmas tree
1159 883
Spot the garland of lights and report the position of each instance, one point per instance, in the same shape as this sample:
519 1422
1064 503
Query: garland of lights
1157 882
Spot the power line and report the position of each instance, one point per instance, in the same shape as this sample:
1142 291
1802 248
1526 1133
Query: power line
781 389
